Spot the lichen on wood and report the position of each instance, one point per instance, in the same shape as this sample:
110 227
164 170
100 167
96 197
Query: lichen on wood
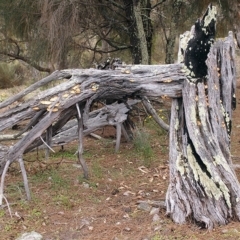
203 185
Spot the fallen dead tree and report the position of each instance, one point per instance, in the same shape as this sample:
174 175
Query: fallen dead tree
203 185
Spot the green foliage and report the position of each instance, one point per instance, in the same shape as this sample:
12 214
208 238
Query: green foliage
97 169
59 181
68 154
10 75
2 213
35 213
142 145
59 34
62 200
20 17
56 180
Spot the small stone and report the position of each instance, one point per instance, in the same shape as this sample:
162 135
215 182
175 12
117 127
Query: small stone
128 229
156 218
85 185
144 206
77 165
30 236
84 223
127 209
224 231
115 191
154 211
90 228
157 228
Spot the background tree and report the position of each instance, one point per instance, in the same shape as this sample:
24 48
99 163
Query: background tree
51 34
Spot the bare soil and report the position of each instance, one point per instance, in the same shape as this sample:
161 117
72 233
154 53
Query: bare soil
66 206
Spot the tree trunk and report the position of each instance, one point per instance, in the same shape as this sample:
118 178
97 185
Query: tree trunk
235 11
171 38
140 30
203 185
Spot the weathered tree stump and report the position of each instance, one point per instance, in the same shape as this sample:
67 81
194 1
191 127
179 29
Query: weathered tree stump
203 185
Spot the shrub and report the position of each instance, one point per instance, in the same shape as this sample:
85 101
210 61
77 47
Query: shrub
141 141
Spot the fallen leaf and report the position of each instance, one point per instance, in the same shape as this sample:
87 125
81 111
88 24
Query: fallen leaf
127 193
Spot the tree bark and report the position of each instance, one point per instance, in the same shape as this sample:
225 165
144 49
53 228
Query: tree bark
140 32
139 29
203 185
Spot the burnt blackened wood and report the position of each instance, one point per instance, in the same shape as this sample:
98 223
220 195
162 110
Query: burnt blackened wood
201 39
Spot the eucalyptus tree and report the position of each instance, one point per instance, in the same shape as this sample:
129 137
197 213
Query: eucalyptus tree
231 10
52 34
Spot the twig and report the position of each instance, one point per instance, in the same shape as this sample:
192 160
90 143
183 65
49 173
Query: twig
152 111
46 144
80 138
48 141
2 181
8 206
118 139
96 136
25 180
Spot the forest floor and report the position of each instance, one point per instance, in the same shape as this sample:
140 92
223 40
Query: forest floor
66 206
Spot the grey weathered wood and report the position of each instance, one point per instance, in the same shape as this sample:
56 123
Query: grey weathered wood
54 76
153 113
203 185
25 180
80 139
3 157
119 133
108 115
48 141
153 80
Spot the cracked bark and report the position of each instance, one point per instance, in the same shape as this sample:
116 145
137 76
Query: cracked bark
203 185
